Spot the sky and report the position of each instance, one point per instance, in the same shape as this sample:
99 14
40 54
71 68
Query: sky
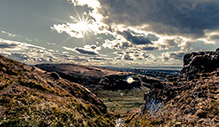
117 33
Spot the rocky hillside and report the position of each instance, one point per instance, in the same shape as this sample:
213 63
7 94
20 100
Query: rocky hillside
97 78
189 100
29 97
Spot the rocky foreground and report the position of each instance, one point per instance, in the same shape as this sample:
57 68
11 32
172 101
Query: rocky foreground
189 100
32 97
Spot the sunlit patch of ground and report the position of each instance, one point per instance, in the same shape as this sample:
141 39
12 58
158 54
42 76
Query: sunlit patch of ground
122 101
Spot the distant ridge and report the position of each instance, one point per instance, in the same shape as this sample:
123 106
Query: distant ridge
98 77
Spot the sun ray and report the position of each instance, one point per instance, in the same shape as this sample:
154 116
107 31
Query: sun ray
61 44
81 24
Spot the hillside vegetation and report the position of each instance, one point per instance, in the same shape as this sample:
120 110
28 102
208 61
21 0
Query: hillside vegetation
29 97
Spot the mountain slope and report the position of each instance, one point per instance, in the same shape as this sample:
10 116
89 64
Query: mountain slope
29 97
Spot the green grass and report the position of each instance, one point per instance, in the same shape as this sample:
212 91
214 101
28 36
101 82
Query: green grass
122 101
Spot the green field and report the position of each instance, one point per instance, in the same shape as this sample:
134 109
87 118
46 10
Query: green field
122 101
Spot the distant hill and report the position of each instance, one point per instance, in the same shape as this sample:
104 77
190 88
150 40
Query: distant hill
99 78
31 97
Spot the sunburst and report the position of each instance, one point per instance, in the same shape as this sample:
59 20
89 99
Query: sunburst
82 25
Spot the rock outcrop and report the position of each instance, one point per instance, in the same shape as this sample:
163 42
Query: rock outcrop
198 63
31 97
190 100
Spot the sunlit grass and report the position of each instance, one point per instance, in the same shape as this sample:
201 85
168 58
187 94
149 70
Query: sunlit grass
122 101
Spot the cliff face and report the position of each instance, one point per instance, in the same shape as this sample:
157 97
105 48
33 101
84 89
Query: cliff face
29 97
191 99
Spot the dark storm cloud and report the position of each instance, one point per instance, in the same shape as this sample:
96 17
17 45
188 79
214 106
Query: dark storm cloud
187 17
150 48
138 40
6 45
83 51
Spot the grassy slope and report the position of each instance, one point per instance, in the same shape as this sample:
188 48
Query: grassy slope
122 101
28 97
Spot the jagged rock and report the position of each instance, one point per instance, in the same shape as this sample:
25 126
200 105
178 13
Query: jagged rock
201 62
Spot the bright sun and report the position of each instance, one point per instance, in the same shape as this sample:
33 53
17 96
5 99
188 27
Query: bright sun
130 80
83 26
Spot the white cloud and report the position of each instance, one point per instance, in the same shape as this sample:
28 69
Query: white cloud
116 44
142 26
60 28
86 50
90 3
9 34
173 56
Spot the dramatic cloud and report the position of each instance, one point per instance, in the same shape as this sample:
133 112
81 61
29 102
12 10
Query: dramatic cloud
69 29
138 40
25 52
117 44
115 32
83 51
186 17
89 3
87 49
32 54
